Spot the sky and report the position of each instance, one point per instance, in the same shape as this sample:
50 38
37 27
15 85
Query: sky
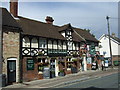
84 15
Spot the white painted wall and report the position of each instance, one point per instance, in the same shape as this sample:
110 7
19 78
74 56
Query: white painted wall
73 46
63 33
105 47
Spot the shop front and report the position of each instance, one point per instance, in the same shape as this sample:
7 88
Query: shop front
33 67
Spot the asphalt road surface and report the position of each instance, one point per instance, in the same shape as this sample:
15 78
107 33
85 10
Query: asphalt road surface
97 80
110 81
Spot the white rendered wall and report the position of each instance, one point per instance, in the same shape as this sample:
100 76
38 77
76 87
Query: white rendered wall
105 47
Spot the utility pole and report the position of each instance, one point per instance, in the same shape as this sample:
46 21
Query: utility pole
109 39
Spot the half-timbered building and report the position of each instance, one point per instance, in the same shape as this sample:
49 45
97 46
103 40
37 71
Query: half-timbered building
44 46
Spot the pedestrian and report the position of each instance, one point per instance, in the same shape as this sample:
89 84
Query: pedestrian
102 65
102 59
98 60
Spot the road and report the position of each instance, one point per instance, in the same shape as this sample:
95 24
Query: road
110 81
96 79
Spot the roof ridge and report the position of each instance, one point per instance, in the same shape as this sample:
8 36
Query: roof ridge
36 21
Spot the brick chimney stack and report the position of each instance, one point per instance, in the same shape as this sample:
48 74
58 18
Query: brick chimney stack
113 34
49 20
14 7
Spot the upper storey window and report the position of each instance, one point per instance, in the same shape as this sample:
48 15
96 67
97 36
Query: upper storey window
26 42
34 43
42 43
68 32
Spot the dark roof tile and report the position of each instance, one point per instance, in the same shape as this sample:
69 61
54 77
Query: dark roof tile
7 20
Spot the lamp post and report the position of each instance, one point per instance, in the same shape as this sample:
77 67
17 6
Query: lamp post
109 39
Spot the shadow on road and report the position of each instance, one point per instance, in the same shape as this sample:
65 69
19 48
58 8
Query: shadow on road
95 88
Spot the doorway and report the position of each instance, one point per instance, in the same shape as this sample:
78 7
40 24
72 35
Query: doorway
11 70
52 68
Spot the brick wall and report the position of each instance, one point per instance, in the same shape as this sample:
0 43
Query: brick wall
29 75
116 57
11 45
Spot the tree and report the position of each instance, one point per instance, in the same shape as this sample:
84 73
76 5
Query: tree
88 30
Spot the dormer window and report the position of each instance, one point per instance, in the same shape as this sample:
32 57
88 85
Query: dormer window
68 32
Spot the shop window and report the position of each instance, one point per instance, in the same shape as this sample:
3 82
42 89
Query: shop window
40 68
69 63
30 64
42 62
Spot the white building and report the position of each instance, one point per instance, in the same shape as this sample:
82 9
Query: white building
104 46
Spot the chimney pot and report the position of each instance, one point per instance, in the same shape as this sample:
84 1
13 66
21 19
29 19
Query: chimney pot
14 7
49 20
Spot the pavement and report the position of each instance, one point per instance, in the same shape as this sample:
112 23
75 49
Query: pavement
70 78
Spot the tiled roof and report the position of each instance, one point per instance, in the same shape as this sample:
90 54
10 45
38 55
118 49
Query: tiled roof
85 34
115 38
8 22
37 28
33 27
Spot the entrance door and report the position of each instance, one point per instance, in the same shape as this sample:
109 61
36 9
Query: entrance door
11 71
52 68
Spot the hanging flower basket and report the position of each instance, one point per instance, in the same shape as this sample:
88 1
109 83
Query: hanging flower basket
74 59
40 53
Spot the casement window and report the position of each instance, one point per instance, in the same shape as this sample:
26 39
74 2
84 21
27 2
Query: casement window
50 44
68 32
59 45
54 45
34 43
42 43
77 47
64 46
26 42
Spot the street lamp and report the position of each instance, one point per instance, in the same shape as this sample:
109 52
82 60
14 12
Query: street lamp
109 39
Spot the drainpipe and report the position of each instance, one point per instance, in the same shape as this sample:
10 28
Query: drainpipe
1 56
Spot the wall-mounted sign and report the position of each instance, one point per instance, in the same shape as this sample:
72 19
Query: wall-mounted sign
30 64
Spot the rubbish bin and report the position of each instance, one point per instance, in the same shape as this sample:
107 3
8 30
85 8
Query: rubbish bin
3 80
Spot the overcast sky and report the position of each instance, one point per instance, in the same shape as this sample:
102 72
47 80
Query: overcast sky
85 15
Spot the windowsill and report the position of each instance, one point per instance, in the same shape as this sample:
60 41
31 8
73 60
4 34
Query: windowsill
40 72
68 68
